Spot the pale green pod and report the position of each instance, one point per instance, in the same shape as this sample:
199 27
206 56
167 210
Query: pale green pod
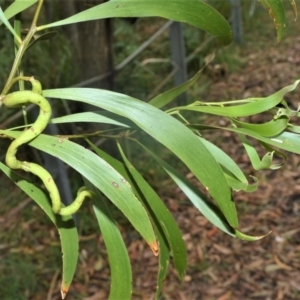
23 98
76 204
36 86
46 178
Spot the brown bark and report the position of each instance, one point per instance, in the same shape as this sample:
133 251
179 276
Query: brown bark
95 50
91 41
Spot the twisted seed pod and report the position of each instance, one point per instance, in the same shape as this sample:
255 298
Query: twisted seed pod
24 98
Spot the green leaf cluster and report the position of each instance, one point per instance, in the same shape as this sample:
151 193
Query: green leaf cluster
119 182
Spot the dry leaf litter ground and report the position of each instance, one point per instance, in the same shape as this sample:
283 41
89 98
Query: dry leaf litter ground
223 268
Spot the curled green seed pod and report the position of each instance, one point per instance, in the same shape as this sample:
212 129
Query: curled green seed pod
82 194
23 98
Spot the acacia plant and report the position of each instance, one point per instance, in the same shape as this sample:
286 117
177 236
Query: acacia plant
108 181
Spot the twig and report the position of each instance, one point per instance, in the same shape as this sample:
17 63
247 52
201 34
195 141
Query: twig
52 285
8 217
22 49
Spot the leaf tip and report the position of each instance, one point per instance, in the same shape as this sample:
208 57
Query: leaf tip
154 247
63 291
249 238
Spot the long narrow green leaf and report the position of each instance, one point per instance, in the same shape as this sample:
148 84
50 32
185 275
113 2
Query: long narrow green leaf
164 217
277 13
120 269
293 128
268 129
164 252
161 216
169 132
7 24
194 12
102 175
168 96
238 185
164 259
18 6
256 105
265 163
232 168
286 140
41 37
207 208
249 238
258 164
65 225
104 117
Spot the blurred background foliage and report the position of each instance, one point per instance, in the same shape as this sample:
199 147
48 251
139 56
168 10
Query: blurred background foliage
52 62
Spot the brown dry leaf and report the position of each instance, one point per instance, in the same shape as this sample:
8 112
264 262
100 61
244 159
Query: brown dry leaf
281 264
226 296
222 249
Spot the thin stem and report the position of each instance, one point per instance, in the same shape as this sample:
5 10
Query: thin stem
250 100
220 104
182 118
17 60
172 112
17 26
22 48
14 80
37 13
97 133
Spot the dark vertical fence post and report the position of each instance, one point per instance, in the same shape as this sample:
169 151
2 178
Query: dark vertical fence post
178 57
236 20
